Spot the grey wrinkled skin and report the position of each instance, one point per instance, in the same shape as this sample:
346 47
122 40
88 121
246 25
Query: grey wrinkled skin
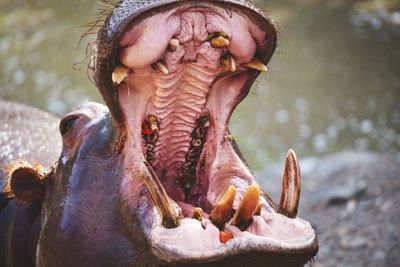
80 223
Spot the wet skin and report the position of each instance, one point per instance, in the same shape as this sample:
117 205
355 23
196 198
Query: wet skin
31 134
156 178
26 133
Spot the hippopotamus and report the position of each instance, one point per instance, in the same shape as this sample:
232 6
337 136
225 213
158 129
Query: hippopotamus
155 178
30 134
26 133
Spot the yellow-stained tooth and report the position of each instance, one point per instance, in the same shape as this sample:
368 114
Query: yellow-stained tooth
291 183
170 218
229 62
153 123
120 73
247 207
219 41
221 212
173 45
198 214
161 66
256 64
258 209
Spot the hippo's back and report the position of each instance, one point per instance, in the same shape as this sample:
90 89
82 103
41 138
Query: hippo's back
27 133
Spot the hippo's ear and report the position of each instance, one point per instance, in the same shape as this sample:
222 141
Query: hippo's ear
27 181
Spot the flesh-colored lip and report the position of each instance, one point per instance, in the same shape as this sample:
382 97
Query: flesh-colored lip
166 246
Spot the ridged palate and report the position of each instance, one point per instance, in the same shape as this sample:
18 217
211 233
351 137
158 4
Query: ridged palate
177 106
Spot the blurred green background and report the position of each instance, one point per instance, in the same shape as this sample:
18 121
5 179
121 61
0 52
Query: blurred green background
333 84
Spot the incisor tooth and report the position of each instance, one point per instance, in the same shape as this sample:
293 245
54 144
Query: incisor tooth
221 212
256 64
161 66
120 73
229 62
173 45
198 214
248 205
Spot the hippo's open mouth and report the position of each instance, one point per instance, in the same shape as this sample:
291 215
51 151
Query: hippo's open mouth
174 75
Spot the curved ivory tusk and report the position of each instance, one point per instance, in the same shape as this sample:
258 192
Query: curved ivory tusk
290 195
161 200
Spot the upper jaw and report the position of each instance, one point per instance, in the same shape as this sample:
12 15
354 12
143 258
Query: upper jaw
127 13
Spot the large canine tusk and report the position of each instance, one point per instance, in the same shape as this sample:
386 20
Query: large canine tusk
290 195
157 192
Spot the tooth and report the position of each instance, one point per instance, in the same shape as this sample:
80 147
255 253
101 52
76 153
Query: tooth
290 195
153 123
198 214
248 205
120 73
173 45
256 64
228 137
161 66
218 39
204 224
229 62
219 42
224 237
221 212
258 209
160 198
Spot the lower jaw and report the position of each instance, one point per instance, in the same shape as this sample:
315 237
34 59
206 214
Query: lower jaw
177 234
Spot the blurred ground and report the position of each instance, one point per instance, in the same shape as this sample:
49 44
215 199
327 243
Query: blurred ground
352 199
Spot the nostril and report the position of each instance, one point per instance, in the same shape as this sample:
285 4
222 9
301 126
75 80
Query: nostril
67 123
